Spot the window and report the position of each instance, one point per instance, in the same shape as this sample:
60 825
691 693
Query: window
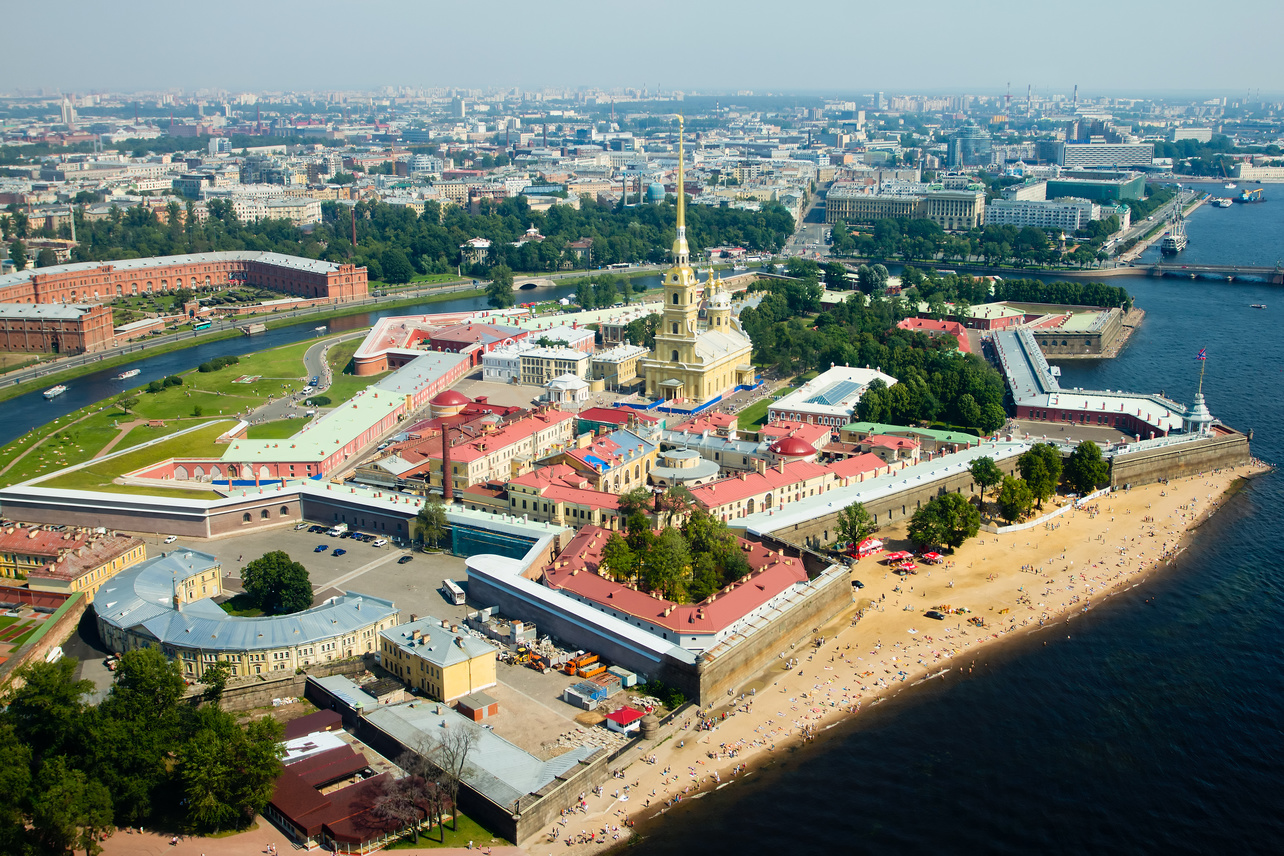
675 356
265 514
675 296
245 518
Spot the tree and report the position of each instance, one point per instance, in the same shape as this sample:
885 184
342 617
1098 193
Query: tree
277 584
450 756
1015 499
46 258
836 275
676 503
1041 469
45 710
855 524
215 680
431 521
666 565
1086 468
985 473
15 784
69 810
499 292
227 773
396 267
636 501
18 254
585 296
403 801
947 520
618 558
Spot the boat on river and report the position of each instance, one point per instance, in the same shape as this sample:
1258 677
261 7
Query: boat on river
1258 306
1223 202
127 375
54 391
1250 196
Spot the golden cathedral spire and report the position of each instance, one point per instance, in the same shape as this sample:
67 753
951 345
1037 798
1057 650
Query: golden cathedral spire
681 252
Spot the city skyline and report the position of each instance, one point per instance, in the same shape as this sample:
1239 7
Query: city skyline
713 47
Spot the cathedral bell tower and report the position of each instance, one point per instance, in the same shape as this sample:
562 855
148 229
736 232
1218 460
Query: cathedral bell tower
675 338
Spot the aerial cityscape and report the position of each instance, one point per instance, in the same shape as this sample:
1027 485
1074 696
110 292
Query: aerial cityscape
515 458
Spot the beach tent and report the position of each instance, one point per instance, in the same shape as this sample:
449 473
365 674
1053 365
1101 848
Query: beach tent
932 557
868 547
898 556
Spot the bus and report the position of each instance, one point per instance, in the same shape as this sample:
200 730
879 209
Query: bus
202 325
454 594
619 266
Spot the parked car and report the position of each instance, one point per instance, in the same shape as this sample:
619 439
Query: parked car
300 526
379 542
316 528
338 551
170 539
321 548
404 559
857 584
932 613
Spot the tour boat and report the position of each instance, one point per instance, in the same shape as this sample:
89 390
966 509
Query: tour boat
1230 187
1258 306
1223 202
55 391
127 375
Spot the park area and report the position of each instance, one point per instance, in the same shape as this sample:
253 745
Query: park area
140 415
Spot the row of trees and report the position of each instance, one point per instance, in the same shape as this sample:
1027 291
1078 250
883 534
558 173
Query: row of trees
394 243
74 772
908 239
1042 470
685 564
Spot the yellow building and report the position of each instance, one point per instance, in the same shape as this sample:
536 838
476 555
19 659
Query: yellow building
694 364
67 560
441 660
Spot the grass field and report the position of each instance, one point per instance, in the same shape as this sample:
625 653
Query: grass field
241 606
98 476
752 417
468 831
344 384
277 430
76 444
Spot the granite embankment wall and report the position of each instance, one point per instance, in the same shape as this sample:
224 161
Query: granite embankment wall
1179 461
254 694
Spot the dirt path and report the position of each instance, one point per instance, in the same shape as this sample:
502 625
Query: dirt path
44 440
111 444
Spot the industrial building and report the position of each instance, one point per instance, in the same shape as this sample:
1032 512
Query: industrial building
55 328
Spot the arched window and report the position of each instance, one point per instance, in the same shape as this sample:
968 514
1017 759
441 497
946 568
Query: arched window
265 514
675 298
245 518
675 326
674 357
285 511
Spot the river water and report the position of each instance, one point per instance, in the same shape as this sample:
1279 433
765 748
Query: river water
1155 726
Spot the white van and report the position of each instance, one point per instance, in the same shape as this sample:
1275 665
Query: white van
337 530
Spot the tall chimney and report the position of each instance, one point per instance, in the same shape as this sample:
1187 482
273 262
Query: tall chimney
447 480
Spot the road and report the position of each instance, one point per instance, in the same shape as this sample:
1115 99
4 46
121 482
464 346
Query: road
809 239
315 365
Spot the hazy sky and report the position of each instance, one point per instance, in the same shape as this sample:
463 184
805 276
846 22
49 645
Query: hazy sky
1105 46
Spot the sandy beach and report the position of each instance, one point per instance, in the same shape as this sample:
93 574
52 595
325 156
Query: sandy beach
1017 584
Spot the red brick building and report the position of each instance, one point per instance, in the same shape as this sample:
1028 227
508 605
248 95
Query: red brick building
59 329
87 282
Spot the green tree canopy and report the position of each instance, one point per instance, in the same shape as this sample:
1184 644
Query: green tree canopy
18 254
499 292
986 473
1015 499
618 558
1041 469
946 520
396 267
855 524
277 584
1086 468
227 773
430 522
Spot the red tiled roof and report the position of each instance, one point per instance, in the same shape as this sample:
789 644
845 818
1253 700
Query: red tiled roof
429 448
616 415
575 571
805 431
711 422
849 467
746 485
564 484
890 442
322 720
927 325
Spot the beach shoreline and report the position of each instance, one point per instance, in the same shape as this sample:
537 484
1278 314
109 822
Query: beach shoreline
878 649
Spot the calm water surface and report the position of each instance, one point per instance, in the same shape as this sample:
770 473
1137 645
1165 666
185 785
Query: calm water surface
1155 727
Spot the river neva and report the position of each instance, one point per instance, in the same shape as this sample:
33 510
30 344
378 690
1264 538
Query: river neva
1151 723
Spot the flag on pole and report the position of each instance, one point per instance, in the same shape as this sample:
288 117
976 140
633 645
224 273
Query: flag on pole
1202 355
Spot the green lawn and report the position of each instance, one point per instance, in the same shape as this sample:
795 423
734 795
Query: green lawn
345 384
98 476
22 637
241 606
752 417
277 430
469 830
6 620
75 444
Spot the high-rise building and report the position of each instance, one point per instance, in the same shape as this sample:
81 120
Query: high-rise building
970 146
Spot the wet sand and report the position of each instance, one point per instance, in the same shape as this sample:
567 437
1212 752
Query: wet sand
1019 584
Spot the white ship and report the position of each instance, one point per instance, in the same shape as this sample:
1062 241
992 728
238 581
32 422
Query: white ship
55 391
127 375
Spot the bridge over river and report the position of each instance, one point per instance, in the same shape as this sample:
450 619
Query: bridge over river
1273 275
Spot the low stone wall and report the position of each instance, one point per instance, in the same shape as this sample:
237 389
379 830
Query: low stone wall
255 694
1180 460
56 628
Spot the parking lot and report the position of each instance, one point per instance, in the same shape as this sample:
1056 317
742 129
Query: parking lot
531 713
